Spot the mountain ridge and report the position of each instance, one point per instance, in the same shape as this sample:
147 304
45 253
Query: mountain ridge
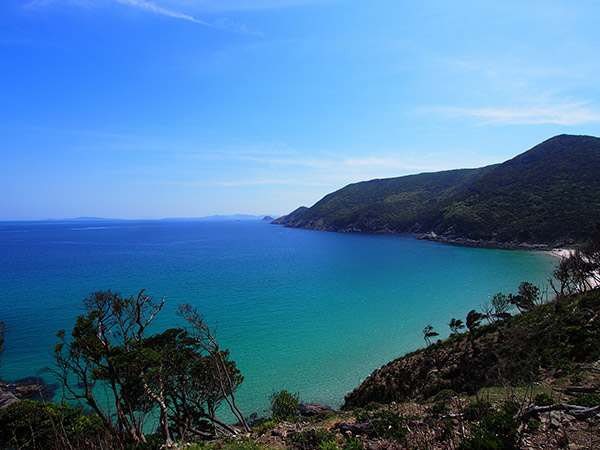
547 196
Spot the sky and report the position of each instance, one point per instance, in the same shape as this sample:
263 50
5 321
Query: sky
144 109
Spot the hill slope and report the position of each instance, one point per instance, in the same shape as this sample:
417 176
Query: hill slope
549 195
516 351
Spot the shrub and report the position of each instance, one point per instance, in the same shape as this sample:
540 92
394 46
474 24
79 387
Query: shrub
492 429
476 410
444 395
311 439
29 424
284 406
587 400
385 424
353 443
328 445
543 399
226 444
437 410
267 425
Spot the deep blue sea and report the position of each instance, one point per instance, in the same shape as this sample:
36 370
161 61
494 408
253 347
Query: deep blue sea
307 311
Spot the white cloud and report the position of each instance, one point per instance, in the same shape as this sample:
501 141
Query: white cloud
220 24
559 114
149 6
166 9
219 6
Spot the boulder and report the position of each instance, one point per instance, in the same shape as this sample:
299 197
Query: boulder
314 409
7 398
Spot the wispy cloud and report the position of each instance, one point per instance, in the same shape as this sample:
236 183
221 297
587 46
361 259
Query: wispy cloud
151 6
220 24
384 164
559 114
237 183
217 6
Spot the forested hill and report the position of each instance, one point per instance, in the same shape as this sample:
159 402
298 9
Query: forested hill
549 195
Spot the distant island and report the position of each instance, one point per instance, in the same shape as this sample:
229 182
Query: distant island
548 196
213 218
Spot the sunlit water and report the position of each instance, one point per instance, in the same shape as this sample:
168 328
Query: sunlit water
307 311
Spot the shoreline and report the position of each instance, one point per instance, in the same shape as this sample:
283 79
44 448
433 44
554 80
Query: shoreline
561 252
558 252
482 243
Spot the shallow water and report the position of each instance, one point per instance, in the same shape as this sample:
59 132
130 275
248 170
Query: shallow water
307 311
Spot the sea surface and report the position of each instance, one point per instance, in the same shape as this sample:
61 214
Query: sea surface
307 311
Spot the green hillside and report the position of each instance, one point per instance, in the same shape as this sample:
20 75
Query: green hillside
543 343
549 195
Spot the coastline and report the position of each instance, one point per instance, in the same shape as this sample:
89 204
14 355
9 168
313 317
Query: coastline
482 243
556 251
561 252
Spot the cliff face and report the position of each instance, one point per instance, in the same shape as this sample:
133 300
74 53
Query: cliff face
549 195
516 351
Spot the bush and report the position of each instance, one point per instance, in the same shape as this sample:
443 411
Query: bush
33 424
437 410
267 425
587 400
477 410
311 439
543 399
226 444
353 443
492 429
284 406
328 445
385 424
444 395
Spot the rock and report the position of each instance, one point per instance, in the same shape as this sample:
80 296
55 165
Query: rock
555 419
28 390
581 389
314 409
356 428
7 398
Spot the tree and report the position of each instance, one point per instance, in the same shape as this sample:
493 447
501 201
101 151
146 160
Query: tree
473 320
527 298
428 333
206 340
456 325
501 305
46 425
591 253
177 374
182 375
97 358
580 271
284 405
487 312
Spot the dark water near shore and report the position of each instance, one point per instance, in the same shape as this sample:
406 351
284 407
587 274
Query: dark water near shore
307 311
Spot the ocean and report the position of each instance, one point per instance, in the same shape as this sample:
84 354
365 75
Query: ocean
307 311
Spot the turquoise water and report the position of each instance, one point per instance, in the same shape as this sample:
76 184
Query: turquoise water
307 311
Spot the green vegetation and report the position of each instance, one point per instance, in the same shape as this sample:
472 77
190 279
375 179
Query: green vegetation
312 438
284 406
518 350
428 333
490 428
181 376
496 386
548 195
31 424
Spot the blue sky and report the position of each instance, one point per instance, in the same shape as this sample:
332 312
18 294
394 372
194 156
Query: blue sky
186 108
